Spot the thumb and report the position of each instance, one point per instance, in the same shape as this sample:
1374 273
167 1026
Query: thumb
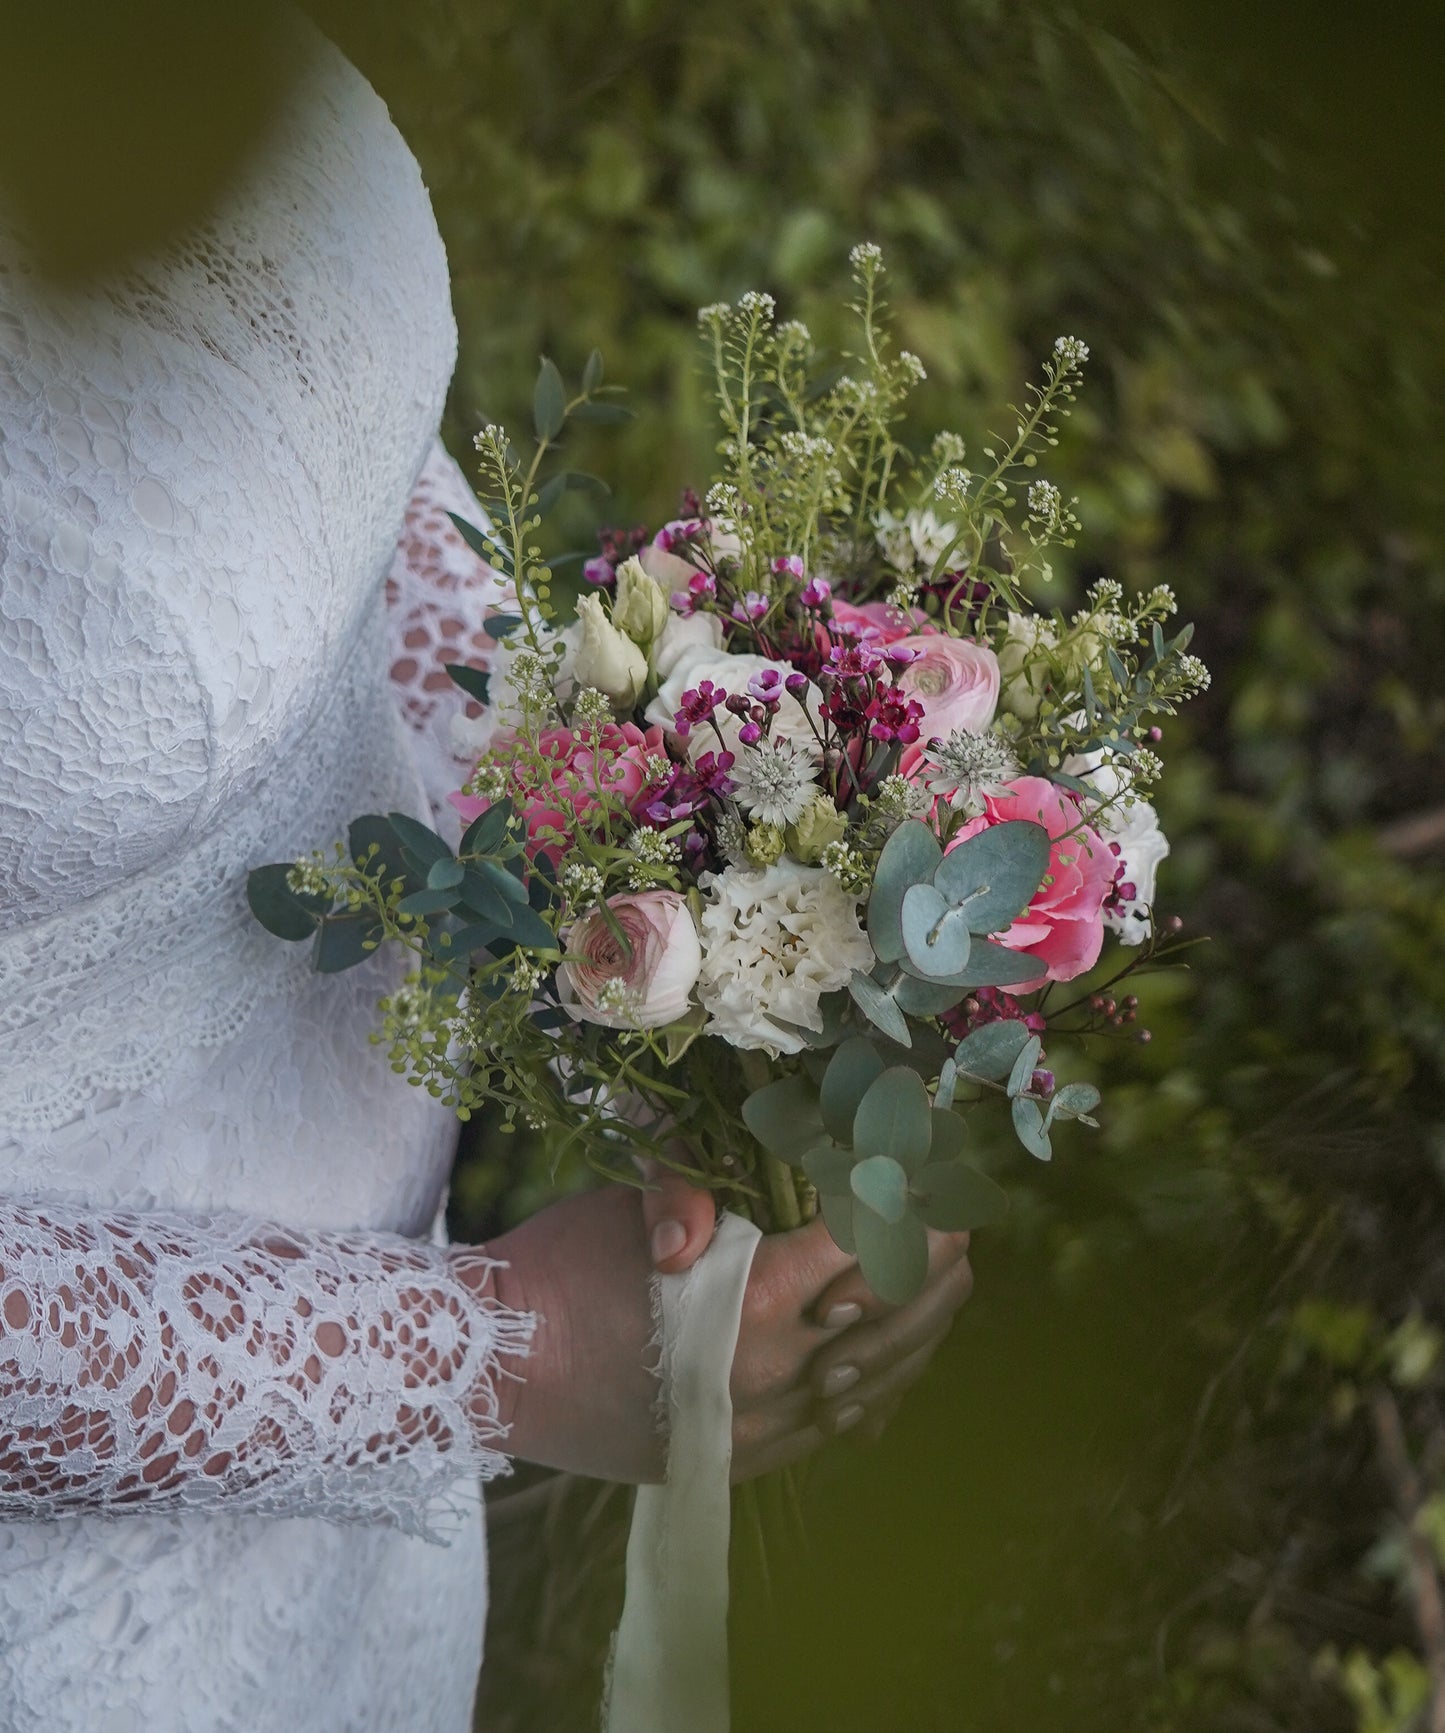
679 1218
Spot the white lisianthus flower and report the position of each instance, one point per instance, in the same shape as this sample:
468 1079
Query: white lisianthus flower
774 942
1131 827
640 606
731 674
1023 663
606 658
684 632
918 538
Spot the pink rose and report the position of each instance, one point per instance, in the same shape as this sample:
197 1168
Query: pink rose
1064 924
578 773
884 623
654 981
955 680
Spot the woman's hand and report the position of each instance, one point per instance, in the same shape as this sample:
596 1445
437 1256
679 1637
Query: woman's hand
817 1352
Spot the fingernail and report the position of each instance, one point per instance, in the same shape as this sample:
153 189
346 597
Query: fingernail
838 1317
668 1239
849 1416
839 1379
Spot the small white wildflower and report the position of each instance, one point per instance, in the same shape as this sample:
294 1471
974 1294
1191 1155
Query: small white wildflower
918 538
757 303
656 767
948 448
656 855
866 256
1106 593
806 445
582 884
525 977
714 313
531 679
912 366
1194 674
732 839
307 878
1163 598
794 334
1146 766
964 768
901 598
952 484
1045 503
591 709
721 497
1072 351
775 780
487 782
896 798
843 863
615 998
490 436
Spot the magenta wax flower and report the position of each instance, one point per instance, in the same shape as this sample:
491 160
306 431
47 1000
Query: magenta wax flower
815 592
600 572
767 686
789 565
697 707
751 607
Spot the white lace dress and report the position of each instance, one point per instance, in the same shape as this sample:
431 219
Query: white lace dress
246 1399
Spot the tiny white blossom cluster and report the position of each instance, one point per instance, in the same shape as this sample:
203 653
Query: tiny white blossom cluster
657 856
773 943
1072 352
582 884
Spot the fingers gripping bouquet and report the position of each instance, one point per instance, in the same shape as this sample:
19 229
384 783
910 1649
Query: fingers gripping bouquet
781 848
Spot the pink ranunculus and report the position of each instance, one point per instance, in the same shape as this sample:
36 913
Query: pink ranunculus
955 680
578 774
885 623
1064 924
656 979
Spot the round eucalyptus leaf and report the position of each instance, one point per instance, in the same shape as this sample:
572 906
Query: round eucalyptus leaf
879 1007
881 1183
277 907
935 935
895 1119
910 856
784 1116
893 1255
989 1052
949 1133
423 842
947 1083
1029 1127
1023 1066
1075 1099
836 1209
994 875
345 942
953 1197
445 874
851 1071
829 1167
925 998
372 831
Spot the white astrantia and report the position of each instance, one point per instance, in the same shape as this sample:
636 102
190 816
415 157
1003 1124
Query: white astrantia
774 942
963 768
775 780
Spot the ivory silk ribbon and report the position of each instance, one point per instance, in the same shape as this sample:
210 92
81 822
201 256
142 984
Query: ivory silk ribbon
669 1666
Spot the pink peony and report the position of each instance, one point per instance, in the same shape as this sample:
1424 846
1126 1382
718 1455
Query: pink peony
578 772
654 982
1064 924
955 680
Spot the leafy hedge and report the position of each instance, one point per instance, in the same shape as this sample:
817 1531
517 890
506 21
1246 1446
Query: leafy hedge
1156 1480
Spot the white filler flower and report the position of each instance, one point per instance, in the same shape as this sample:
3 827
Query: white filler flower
773 943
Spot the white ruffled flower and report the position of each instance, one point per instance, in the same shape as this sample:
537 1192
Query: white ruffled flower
684 632
1126 819
731 674
918 538
774 942
776 780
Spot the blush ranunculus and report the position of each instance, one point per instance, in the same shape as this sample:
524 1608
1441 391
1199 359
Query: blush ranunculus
1064 924
578 773
884 623
955 680
653 984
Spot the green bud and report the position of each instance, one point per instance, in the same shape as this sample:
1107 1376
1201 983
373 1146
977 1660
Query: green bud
640 607
765 844
819 824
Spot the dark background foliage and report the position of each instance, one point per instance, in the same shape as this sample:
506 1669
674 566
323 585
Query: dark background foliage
1176 1469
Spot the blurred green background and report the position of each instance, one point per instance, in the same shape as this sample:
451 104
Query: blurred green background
1182 1464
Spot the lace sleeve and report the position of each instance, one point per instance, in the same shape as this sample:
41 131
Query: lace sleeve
165 1362
439 595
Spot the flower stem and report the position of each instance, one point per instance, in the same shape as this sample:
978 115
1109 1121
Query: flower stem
782 1194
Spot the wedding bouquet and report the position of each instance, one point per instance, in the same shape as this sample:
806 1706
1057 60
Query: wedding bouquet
778 854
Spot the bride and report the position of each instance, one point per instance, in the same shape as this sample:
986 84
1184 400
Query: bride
247 1391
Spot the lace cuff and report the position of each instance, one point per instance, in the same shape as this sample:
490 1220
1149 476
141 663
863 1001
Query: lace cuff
166 1362
439 595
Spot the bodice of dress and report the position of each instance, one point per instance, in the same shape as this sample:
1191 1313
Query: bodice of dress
205 466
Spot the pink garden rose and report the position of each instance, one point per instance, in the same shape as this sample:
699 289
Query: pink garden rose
578 772
1064 924
955 680
654 982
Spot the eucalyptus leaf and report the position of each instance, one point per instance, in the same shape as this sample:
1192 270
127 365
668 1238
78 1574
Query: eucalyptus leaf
499 626
894 1118
926 998
370 831
445 874
880 1010
1023 1066
947 1083
473 936
529 930
829 1167
472 536
993 876
784 1116
836 1209
949 1133
475 682
851 1071
989 965
935 934
428 902
893 1255
953 1197
549 493
278 908
549 401
881 1183
1076 1099
582 481
910 856
423 842
343 943
592 372
989 1052
1029 1127
602 414
488 830
499 879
